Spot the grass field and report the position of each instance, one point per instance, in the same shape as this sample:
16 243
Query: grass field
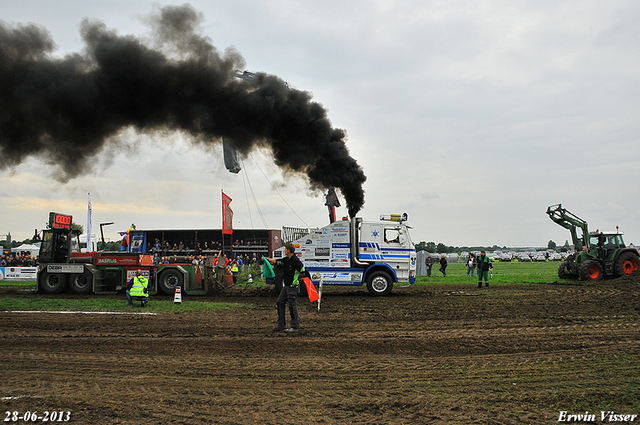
44 303
503 274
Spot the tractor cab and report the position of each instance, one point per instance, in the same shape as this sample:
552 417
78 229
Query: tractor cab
59 241
605 244
608 240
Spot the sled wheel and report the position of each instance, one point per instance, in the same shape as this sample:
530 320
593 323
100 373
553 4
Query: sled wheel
81 283
169 280
52 283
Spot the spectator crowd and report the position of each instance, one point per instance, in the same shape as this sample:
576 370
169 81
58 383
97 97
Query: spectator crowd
18 259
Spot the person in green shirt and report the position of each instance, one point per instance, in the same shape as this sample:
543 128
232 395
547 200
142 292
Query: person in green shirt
484 265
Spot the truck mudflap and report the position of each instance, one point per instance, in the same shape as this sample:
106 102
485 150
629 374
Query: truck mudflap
332 276
352 276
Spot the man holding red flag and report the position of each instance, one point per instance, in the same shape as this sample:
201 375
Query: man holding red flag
293 268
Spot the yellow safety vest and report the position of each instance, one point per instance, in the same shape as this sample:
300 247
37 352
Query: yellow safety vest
140 283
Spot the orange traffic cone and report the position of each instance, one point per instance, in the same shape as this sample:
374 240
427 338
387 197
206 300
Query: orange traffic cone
177 297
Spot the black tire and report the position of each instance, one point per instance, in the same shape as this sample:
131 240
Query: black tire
626 265
169 280
568 270
591 271
52 283
81 283
379 284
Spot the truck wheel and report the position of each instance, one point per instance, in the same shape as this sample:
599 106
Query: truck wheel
568 270
52 283
81 283
591 270
626 265
379 283
169 280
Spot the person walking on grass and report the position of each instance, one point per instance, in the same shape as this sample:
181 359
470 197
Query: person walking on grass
443 265
471 264
429 264
484 265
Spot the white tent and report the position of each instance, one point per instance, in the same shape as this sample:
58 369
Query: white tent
26 247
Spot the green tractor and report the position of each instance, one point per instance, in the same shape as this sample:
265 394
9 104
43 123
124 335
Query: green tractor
598 254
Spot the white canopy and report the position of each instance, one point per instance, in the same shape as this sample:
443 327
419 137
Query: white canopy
26 247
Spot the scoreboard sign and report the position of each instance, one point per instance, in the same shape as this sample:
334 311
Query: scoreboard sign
60 221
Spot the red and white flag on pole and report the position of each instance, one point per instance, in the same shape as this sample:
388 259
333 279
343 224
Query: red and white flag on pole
227 215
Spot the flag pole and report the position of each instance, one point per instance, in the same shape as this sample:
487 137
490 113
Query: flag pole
89 223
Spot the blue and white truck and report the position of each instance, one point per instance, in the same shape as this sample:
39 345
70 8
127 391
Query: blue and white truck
355 252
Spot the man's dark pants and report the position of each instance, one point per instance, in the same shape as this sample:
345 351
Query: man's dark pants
289 294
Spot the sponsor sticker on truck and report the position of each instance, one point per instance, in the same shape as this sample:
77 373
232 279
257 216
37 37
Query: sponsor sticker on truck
65 268
120 261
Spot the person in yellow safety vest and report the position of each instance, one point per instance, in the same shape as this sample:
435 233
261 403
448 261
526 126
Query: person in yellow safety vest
234 271
138 290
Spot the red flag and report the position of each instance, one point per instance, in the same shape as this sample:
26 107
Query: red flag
311 290
227 215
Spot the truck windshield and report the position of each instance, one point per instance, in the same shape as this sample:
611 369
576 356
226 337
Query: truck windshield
613 241
46 248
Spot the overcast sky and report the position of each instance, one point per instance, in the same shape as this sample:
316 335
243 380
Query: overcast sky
470 116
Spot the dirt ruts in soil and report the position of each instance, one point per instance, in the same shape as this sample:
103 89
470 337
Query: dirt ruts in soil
509 354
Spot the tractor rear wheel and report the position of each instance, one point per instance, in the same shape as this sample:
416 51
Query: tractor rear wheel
591 270
626 265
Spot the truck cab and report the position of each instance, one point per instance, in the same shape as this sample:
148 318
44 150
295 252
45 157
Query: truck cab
357 252
388 241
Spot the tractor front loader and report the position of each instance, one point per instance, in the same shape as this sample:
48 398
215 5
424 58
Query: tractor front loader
598 254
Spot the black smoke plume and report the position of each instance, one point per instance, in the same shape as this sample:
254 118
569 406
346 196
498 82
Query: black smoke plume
65 110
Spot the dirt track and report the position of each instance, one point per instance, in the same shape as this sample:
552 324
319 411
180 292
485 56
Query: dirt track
433 355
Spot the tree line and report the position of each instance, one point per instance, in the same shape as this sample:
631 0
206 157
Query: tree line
441 248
